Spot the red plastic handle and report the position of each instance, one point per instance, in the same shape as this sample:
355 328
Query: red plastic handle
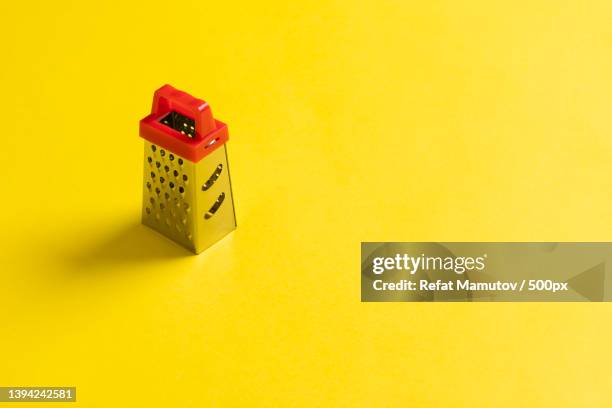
210 133
168 99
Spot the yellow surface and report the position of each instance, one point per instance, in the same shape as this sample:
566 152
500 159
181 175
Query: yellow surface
349 121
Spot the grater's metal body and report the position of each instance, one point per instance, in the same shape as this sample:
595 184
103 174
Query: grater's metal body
187 199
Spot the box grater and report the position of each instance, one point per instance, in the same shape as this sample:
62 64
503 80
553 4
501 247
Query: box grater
187 194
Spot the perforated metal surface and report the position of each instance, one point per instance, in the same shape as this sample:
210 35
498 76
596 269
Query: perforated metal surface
190 203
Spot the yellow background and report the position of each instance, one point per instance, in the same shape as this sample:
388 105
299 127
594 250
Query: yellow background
382 120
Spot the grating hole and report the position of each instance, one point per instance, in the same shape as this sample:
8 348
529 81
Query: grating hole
162 152
171 157
167 196
161 180
153 147
180 161
181 190
213 177
148 185
215 206
152 175
176 173
152 200
148 210
171 184
167 168
157 190
149 159
185 178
